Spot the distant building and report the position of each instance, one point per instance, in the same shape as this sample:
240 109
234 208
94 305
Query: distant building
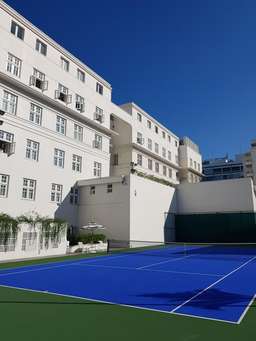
223 168
249 162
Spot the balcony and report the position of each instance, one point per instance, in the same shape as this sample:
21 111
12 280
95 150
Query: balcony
98 117
7 144
38 83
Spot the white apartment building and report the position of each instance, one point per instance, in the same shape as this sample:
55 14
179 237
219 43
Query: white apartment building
249 163
60 129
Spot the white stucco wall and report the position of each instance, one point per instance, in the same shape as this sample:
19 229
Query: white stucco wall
216 196
149 201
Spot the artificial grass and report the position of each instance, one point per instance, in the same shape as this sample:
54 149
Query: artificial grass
34 316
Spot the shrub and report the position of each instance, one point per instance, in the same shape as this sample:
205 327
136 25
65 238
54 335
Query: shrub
88 238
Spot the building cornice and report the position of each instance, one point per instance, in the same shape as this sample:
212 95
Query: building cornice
39 96
53 43
155 156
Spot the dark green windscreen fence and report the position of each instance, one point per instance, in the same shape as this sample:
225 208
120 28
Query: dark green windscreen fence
216 227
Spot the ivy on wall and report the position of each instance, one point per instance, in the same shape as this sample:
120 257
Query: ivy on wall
51 229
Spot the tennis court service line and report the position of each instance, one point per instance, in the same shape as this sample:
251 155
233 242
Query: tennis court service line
149 270
214 283
166 261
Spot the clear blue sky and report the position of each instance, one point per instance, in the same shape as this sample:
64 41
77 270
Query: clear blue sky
189 63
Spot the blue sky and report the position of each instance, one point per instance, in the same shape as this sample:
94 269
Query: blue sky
191 64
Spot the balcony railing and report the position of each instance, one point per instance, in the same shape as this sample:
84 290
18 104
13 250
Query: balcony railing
63 97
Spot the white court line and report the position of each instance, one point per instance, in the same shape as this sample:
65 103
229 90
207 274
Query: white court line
108 302
166 261
204 318
216 282
149 270
246 310
55 266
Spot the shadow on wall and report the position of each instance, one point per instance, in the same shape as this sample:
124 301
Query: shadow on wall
169 222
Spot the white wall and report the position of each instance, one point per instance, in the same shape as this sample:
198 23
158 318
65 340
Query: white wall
109 209
149 202
37 249
216 196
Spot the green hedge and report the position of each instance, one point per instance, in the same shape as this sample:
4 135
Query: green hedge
87 239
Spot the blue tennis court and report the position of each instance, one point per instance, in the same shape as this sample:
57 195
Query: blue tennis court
217 283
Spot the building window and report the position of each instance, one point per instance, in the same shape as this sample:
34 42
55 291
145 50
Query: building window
97 169
198 167
156 129
74 196
32 150
115 160
80 75
163 152
56 193
149 144
99 88
41 47
169 138
64 64
170 172
92 190
177 159
38 80
164 170
62 94
79 103
29 189
163 134
4 185
35 114
109 188
59 158
191 162
150 164
9 244
10 103
77 163
61 125
176 143
17 30
195 164
98 115
139 117
139 159
97 143
140 139
156 148
149 124
157 167
14 65
78 133
169 156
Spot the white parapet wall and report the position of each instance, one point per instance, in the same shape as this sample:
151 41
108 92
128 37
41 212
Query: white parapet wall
235 195
30 242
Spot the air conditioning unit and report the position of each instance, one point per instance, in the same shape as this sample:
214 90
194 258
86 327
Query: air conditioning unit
80 106
140 140
96 144
38 83
99 117
63 97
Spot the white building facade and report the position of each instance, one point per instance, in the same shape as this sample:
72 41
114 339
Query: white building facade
60 127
